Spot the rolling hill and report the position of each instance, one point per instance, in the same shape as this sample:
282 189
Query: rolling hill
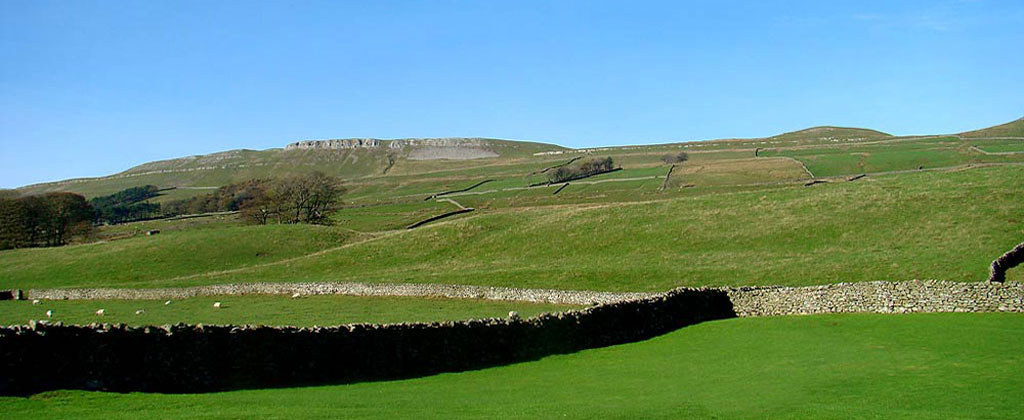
403 162
1010 129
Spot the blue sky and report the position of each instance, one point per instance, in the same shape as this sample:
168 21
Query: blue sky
92 88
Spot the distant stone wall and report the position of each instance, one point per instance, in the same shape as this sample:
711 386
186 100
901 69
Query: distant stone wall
878 297
567 297
185 358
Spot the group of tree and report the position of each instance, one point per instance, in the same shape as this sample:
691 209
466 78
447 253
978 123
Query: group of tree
307 198
50 219
126 205
581 170
230 197
675 158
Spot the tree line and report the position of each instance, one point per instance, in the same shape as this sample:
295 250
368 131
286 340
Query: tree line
52 219
307 198
49 219
126 205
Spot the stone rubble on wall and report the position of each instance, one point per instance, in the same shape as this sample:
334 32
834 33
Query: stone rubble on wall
567 297
878 297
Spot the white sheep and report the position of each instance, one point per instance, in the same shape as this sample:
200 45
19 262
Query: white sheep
140 312
296 295
99 312
35 301
216 304
167 303
49 313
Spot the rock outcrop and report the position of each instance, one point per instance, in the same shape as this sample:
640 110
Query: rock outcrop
357 143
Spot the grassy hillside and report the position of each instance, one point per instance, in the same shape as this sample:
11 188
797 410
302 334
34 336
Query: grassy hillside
146 260
222 168
1010 129
822 367
382 169
267 310
944 225
826 134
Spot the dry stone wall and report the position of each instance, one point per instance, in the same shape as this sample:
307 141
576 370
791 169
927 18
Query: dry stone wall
185 358
878 297
568 297
197 358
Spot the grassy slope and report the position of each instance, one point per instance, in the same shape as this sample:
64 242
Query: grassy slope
1011 129
796 235
942 225
238 165
809 367
268 310
891 156
145 260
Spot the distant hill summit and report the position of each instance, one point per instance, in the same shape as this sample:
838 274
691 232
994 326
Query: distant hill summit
368 159
1011 129
826 133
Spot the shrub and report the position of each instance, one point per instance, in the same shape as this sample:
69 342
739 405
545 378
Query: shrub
675 158
581 170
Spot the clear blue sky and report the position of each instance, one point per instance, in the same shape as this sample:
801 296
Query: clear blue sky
91 88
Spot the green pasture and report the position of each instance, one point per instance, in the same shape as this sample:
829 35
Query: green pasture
323 310
945 225
149 260
853 366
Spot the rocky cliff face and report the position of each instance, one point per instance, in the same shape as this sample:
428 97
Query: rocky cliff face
356 143
334 144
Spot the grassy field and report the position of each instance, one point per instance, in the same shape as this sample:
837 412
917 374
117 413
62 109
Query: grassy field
796 235
1011 129
725 218
145 260
791 236
856 366
267 310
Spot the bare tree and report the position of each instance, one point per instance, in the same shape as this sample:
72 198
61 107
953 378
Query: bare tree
296 199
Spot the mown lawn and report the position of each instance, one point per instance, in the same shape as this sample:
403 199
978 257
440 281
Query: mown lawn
267 310
853 366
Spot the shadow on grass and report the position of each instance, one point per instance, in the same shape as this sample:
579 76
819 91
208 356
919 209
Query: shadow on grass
192 359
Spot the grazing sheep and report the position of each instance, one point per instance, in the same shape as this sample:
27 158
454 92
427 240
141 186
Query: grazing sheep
35 301
296 295
49 313
513 315
100 312
140 312
167 303
216 304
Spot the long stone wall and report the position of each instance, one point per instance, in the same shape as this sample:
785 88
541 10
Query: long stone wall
878 297
568 297
186 358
